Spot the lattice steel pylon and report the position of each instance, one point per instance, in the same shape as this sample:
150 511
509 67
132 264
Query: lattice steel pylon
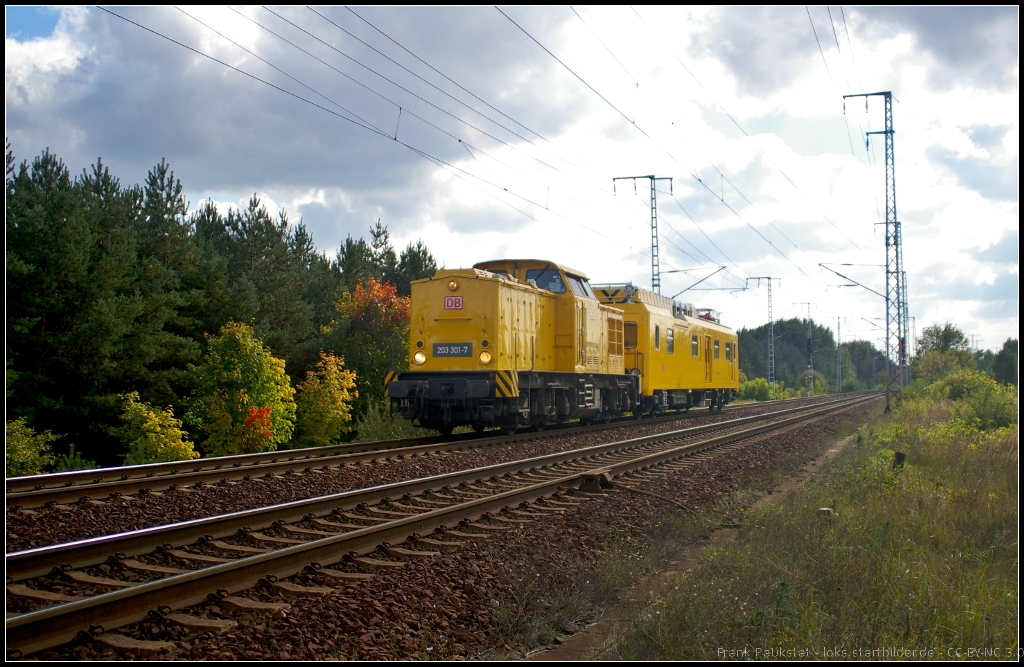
655 261
771 330
896 324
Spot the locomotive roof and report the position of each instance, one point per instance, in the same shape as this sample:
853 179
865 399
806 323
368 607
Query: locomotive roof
563 267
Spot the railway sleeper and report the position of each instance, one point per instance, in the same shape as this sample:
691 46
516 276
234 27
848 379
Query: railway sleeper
469 536
377 563
24 591
302 531
132 564
483 526
263 537
345 576
201 624
438 544
83 578
125 644
502 519
201 558
412 553
289 590
235 547
236 606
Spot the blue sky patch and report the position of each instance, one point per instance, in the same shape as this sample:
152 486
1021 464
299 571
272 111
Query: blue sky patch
25 23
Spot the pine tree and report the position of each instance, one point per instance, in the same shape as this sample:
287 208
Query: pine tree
415 263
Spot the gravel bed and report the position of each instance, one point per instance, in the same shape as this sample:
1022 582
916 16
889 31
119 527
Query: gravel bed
65 523
457 604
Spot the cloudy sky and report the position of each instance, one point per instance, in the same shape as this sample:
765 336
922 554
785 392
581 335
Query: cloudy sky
497 133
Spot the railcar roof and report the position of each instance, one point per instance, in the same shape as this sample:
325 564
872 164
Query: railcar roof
563 267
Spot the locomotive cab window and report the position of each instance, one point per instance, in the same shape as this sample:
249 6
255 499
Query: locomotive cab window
657 337
548 279
670 340
716 348
695 345
629 335
580 287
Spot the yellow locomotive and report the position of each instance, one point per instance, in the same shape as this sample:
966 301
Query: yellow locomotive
517 343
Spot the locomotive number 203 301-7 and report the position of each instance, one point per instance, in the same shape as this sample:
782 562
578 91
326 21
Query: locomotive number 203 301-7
453 349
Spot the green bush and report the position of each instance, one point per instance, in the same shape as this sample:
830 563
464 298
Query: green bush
381 424
324 403
73 461
852 385
754 390
152 435
28 452
977 396
243 400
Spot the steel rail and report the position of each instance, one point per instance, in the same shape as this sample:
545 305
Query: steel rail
93 551
149 471
68 487
35 631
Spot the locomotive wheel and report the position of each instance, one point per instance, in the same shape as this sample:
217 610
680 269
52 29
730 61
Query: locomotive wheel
445 429
478 428
509 430
538 427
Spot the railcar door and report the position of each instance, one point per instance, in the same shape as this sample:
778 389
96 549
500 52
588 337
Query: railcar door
707 359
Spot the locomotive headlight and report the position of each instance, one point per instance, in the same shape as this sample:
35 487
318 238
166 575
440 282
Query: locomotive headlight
453 284
485 357
419 358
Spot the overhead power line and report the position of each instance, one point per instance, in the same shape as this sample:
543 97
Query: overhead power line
641 130
745 133
358 120
467 91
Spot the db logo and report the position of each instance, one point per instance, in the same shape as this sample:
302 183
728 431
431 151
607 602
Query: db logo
453 303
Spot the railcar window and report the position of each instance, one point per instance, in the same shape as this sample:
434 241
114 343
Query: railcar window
657 337
548 279
630 335
670 340
695 345
716 348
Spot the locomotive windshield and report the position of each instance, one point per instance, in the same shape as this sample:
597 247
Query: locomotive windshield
548 279
580 286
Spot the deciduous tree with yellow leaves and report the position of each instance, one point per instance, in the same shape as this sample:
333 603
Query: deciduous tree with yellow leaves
324 403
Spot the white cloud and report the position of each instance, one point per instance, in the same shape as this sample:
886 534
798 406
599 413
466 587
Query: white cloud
541 183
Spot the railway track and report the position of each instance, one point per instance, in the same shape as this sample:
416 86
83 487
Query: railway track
83 485
327 538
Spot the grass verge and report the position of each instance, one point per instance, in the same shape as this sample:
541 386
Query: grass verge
917 561
545 601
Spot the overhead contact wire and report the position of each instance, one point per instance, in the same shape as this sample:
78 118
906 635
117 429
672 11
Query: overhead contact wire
360 121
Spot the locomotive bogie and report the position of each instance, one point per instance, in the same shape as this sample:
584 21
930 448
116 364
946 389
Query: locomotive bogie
442 400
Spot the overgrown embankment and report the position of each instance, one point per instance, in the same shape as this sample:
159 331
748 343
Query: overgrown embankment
918 557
